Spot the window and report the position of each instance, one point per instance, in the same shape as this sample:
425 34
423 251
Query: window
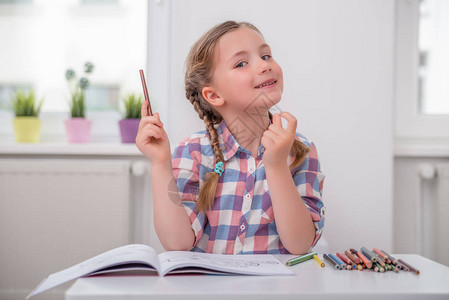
42 39
422 69
434 57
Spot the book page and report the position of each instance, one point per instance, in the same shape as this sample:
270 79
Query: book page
258 264
135 253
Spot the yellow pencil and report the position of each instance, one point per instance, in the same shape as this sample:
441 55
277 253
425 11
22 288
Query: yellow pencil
319 260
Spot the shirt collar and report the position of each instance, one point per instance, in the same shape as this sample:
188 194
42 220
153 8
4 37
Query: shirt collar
229 144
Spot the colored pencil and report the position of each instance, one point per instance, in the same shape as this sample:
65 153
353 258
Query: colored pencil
300 259
319 261
369 254
409 266
338 261
145 92
347 261
351 256
384 257
380 260
393 260
365 260
333 263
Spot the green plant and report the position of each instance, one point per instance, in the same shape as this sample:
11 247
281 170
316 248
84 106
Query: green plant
133 104
77 88
25 105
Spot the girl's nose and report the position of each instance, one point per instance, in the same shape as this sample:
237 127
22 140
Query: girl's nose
264 66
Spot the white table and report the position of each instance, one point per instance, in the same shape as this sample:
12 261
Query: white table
310 281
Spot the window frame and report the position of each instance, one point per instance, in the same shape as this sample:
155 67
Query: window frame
410 123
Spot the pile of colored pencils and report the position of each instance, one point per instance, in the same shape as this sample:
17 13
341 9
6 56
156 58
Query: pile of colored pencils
376 260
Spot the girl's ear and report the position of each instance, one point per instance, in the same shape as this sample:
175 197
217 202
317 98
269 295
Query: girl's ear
212 97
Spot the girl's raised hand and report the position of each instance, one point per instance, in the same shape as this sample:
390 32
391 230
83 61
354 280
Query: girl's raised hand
278 141
151 139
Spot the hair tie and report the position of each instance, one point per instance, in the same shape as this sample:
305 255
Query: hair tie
219 168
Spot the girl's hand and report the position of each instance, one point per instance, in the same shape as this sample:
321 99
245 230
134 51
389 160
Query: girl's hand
278 141
151 139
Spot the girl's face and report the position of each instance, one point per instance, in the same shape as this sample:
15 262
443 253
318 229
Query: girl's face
244 70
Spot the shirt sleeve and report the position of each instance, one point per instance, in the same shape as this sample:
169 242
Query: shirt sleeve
309 181
185 163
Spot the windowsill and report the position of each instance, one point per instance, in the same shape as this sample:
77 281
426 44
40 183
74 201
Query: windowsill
421 147
69 149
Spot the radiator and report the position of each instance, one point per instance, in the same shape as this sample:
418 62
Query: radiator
442 253
432 217
56 213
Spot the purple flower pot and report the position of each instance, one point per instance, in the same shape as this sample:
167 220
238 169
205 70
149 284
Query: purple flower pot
128 130
78 130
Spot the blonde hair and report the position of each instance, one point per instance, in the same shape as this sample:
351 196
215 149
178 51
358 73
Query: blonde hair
199 69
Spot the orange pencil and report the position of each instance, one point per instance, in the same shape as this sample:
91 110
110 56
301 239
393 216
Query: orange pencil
355 259
365 260
384 257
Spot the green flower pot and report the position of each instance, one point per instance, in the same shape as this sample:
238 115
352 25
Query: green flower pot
27 129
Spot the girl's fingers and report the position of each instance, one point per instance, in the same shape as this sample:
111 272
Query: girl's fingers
154 129
292 123
151 133
277 120
144 109
273 136
154 119
266 142
276 129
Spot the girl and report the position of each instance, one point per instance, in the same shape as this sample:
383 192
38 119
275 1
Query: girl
245 184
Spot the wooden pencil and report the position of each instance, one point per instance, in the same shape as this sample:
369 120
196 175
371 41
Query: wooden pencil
333 263
347 261
384 257
369 254
409 266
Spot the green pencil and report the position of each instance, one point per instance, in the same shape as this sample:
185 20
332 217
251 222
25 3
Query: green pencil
300 259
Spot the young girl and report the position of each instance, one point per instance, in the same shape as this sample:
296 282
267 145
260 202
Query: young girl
245 185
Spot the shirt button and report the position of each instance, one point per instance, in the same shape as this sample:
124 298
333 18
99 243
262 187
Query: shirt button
251 169
262 150
242 227
247 196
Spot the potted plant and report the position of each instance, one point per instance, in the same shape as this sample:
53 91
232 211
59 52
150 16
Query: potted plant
130 124
78 127
26 124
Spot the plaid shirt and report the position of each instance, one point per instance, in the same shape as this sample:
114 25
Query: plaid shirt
241 220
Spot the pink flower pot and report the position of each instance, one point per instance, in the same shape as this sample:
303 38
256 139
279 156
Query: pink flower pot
128 130
78 130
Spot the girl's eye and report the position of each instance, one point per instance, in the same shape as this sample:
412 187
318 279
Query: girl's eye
241 64
266 57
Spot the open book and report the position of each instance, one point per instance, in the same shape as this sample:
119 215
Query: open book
142 259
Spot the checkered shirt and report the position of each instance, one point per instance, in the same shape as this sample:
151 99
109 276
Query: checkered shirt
241 220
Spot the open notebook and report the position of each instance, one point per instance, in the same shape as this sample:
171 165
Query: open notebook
142 259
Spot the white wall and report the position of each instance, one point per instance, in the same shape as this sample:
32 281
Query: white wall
337 58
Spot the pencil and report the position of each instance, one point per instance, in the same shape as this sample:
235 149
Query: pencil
393 260
347 261
369 254
145 92
300 259
379 267
365 260
338 261
352 254
384 257
319 260
333 263
353 257
409 266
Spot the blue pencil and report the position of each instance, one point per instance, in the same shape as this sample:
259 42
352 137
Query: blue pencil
338 261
